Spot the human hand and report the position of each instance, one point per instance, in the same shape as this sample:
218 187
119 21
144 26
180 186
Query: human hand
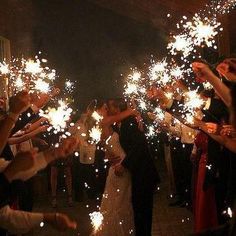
41 99
228 69
19 103
202 71
67 147
22 162
228 130
60 222
212 128
119 170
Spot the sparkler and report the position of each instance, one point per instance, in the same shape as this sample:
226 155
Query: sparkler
191 35
203 30
31 75
181 43
96 116
96 220
95 134
58 117
4 68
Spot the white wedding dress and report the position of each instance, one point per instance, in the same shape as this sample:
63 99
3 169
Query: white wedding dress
116 205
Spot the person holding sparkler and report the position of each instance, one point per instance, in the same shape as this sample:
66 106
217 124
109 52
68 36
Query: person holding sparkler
116 205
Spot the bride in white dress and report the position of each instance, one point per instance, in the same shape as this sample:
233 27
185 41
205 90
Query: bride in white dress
116 205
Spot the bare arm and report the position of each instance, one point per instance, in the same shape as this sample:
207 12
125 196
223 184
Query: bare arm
27 136
203 71
119 117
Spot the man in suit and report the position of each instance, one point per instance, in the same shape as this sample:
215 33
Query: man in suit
141 166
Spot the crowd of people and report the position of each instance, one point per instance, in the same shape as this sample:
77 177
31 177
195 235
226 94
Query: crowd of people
200 159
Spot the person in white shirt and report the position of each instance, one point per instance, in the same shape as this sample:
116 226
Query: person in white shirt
86 173
23 167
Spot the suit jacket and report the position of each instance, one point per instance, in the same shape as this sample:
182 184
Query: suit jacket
138 159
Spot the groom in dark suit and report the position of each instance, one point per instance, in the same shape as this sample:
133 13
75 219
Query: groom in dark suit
141 166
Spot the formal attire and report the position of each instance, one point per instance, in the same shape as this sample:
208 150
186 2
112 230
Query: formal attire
116 205
143 174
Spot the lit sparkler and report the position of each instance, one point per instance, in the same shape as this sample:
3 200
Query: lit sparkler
181 43
96 220
41 86
58 117
96 116
4 68
95 134
203 30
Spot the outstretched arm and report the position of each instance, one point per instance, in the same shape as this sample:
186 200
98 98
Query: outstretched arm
204 72
119 117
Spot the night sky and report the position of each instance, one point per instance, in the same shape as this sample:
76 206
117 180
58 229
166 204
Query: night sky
92 45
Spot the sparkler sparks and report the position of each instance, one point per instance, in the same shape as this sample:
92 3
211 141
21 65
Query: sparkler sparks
42 86
186 43
33 67
96 116
57 117
95 134
202 30
31 75
4 68
96 220
181 43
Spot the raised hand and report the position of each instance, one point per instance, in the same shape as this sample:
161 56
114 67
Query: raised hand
23 161
228 69
41 99
19 103
59 221
202 71
67 147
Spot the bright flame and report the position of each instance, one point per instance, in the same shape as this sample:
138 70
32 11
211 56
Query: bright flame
96 220
33 67
96 116
95 134
42 86
4 68
58 117
181 43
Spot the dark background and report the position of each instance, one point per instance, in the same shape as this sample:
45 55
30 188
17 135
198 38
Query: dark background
82 41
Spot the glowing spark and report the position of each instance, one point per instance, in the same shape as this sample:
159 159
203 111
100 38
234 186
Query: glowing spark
136 76
151 132
41 86
58 117
157 70
189 118
159 113
96 116
131 89
33 67
4 68
19 83
95 134
203 31
177 72
181 43
193 100
96 220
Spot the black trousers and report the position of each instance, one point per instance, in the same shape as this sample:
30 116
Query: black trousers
142 201
85 174
182 168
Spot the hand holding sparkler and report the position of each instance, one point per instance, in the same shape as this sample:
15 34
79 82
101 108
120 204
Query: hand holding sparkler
41 99
228 69
59 221
19 103
96 220
67 147
202 71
